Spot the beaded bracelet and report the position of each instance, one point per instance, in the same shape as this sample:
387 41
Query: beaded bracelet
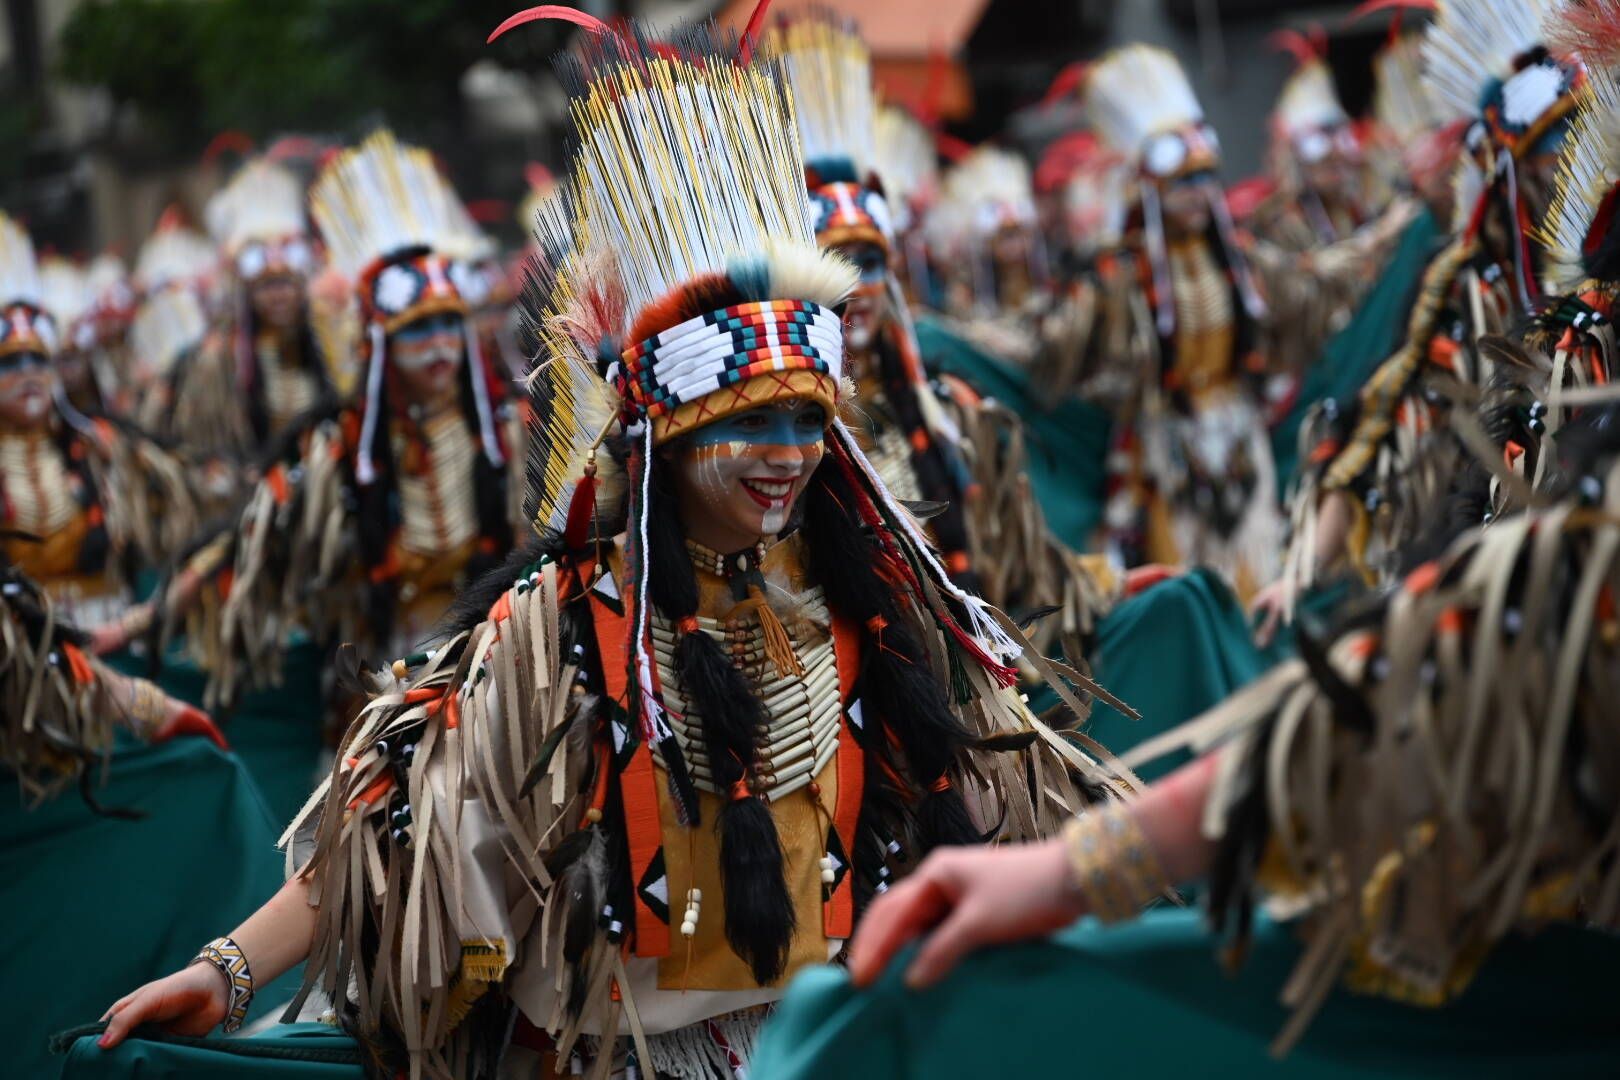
227 956
1111 862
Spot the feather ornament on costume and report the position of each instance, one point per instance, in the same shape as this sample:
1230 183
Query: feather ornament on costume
19 270
1585 192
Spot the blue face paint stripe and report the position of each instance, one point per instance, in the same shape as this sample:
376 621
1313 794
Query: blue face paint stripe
783 429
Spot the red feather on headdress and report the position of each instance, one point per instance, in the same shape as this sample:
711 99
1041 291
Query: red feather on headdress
750 34
560 12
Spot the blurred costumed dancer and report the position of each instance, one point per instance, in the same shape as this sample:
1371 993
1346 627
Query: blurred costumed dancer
1317 163
84 501
1183 329
369 516
263 366
726 698
1383 465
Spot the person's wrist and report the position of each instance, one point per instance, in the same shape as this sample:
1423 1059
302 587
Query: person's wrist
1111 863
226 957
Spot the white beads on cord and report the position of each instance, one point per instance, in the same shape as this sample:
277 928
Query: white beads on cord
694 905
827 874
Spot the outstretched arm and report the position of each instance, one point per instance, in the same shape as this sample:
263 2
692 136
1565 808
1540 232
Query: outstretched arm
196 998
961 899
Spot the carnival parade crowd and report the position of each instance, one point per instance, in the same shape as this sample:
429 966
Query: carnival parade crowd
838 600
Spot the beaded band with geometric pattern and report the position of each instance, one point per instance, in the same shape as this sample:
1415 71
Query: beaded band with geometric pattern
226 955
1111 862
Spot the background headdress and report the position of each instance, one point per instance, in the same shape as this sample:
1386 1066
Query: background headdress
1580 219
175 255
257 219
1486 61
168 324
24 325
829 72
1138 101
65 294
907 162
389 217
111 290
1308 116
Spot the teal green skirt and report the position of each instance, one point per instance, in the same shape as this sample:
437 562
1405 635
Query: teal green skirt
1148 999
92 907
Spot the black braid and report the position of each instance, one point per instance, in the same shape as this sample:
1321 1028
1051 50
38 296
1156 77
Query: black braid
899 685
760 919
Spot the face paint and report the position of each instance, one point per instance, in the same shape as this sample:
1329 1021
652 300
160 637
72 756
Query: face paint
25 389
427 354
866 307
739 478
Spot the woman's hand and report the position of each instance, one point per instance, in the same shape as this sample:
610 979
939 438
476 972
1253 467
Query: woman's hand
1270 607
192 1001
967 898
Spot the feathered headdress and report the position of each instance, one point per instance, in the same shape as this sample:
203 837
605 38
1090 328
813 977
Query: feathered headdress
258 221
111 290
389 217
65 293
1401 102
907 162
996 186
1139 102
19 270
24 324
829 72
1486 61
175 254
168 324
1581 215
1308 116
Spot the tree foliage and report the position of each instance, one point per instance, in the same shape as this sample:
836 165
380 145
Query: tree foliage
192 68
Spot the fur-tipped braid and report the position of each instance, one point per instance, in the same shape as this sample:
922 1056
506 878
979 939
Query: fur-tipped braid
759 913
942 819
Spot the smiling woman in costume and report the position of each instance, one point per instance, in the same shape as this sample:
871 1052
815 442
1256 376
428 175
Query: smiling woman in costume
666 759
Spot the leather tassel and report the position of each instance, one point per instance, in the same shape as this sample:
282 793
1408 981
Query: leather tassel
778 646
